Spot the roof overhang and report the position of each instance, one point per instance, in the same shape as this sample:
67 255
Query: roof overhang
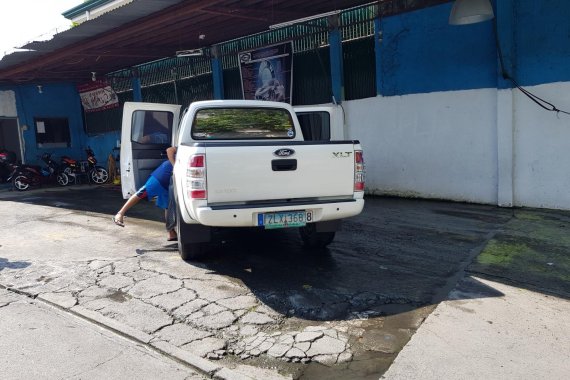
145 30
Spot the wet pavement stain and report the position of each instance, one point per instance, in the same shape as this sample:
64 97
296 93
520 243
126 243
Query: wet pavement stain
532 248
119 296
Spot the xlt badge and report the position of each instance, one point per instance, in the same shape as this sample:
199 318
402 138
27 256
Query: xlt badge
342 154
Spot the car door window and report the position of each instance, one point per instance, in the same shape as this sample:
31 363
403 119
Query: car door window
316 126
152 127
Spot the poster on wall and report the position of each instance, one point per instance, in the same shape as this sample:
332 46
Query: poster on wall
267 73
97 96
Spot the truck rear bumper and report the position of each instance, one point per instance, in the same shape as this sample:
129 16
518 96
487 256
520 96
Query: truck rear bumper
247 216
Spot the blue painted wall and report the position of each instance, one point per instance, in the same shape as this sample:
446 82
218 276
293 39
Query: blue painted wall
542 41
422 53
103 145
56 100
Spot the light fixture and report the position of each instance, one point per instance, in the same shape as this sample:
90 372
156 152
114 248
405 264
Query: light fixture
93 76
302 20
190 53
470 12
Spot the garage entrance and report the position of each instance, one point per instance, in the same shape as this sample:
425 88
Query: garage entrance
10 136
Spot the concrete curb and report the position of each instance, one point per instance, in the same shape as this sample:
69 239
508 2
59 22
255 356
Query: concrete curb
204 366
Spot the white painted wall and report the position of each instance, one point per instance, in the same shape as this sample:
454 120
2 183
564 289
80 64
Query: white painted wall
484 146
434 145
541 175
8 104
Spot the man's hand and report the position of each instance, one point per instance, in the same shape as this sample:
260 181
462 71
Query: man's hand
171 154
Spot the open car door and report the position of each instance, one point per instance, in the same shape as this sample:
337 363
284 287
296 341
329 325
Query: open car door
147 130
321 122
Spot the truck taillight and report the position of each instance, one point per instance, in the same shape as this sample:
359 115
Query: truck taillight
196 177
358 171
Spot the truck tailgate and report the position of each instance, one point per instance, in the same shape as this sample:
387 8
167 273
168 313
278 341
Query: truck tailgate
241 172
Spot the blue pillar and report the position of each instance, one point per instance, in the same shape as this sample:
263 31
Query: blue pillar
136 83
504 18
337 74
217 73
378 53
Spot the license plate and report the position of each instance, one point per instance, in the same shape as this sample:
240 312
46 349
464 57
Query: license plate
284 219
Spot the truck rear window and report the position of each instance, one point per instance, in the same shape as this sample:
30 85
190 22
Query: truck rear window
242 124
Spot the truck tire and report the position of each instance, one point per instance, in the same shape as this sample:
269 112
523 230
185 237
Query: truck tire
188 248
313 239
190 251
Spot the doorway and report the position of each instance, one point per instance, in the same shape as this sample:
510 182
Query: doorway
10 136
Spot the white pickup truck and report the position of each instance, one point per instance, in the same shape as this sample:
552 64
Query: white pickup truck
244 163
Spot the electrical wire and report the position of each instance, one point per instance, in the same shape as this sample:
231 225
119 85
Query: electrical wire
536 99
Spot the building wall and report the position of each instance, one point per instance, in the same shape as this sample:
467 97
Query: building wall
447 125
56 100
541 149
8 104
436 145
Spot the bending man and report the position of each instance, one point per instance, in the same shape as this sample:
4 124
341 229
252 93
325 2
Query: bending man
156 187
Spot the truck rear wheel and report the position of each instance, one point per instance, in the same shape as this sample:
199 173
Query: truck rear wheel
189 246
313 239
190 251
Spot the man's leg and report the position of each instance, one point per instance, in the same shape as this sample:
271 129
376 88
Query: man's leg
170 213
133 200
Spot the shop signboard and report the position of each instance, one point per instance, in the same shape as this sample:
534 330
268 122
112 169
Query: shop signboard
97 96
267 73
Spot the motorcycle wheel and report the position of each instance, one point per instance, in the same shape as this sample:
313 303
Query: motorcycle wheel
62 179
21 183
99 175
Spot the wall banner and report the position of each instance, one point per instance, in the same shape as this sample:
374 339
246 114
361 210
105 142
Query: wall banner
267 73
97 96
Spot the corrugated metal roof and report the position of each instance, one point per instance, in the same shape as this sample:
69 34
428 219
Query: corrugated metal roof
129 12
147 30
90 29
92 6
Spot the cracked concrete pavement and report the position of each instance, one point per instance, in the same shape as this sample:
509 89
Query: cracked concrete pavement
260 305
188 307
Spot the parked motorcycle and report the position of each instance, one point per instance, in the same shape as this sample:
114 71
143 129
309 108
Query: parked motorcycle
7 162
75 169
24 176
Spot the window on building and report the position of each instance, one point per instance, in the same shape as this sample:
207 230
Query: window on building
52 132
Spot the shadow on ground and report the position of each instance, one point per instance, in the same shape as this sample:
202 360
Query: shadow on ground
396 256
7 264
398 252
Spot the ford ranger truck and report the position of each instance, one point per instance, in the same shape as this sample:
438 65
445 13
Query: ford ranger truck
246 163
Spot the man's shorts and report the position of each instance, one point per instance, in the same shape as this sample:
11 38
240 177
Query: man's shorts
153 189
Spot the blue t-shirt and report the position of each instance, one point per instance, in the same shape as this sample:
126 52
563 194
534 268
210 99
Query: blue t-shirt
163 174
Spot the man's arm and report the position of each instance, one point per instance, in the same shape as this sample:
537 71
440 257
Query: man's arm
171 154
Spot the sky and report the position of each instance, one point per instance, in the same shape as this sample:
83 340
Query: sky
22 21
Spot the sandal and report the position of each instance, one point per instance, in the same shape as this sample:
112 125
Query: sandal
118 221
